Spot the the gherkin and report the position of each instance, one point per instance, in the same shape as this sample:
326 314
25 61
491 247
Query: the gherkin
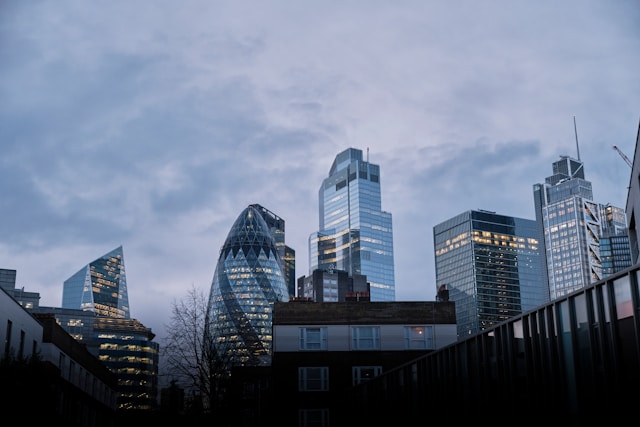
248 280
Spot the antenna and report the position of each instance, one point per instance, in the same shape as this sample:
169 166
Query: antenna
575 129
367 154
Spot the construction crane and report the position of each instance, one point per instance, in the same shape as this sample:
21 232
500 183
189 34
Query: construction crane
625 158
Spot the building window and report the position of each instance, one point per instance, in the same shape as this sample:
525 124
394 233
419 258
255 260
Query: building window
365 373
72 371
314 378
313 338
365 338
418 337
21 346
248 390
62 364
7 339
316 417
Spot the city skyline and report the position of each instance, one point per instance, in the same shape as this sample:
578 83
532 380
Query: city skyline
152 127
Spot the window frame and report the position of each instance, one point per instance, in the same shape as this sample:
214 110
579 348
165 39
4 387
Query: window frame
359 339
410 339
313 378
357 371
305 341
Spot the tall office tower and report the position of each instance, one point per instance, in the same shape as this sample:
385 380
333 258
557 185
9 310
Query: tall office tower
7 279
248 280
491 265
26 299
572 225
287 254
615 248
123 344
100 286
355 234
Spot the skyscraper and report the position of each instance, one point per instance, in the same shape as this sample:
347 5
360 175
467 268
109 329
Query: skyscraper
95 311
615 247
100 286
491 265
287 254
572 225
248 280
355 235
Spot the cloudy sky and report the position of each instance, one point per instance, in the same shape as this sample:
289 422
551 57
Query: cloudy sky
153 124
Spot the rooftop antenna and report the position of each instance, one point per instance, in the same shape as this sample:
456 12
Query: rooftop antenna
367 154
575 129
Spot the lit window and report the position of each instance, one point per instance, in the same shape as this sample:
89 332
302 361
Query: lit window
365 373
418 337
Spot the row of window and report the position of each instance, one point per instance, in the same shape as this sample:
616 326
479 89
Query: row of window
366 338
84 379
316 378
21 351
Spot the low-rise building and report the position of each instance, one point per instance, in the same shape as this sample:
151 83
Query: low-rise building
322 350
47 376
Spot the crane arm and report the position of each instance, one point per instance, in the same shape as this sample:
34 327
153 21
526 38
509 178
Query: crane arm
625 158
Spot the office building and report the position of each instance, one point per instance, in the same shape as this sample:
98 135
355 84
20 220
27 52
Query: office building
491 266
355 234
332 286
26 299
100 286
7 279
95 311
247 281
287 254
572 225
615 247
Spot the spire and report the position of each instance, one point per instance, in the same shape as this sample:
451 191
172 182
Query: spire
575 130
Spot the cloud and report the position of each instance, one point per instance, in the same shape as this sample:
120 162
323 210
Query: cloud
153 124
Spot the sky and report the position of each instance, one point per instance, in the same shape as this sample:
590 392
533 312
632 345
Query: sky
152 124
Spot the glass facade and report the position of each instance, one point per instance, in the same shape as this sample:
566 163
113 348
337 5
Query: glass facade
100 286
355 234
573 225
615 253
248 280
123 344
491 264
287 254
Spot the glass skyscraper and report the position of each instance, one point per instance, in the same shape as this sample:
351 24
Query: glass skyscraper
100 286
572 225
287 254
355 235
248 280
95 311
491 265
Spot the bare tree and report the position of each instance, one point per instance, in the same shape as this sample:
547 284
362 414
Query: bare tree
188 356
